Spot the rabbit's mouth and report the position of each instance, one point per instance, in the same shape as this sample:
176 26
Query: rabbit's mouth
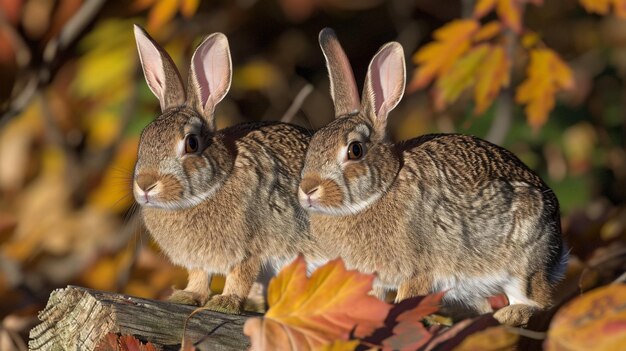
158 195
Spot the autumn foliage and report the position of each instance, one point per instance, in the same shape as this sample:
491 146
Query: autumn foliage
466 54
73 102
331 310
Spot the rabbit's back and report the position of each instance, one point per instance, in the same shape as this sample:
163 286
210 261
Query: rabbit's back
488 214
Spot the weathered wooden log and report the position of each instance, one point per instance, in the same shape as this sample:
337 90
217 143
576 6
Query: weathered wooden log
79 319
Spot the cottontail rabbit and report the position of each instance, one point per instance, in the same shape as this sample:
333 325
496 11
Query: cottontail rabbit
438 212
216 201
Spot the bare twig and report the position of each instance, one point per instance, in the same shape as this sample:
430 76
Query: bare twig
467 8
504 104
536 335
35 78
297 103
620 280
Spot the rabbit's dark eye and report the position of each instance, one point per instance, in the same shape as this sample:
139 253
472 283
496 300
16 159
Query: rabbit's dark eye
191 143
355 150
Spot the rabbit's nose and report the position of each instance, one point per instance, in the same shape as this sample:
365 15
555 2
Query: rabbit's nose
309 186
146 181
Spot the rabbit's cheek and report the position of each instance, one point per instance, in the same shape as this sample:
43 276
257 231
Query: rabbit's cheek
331 194
194 165
172 189
354 171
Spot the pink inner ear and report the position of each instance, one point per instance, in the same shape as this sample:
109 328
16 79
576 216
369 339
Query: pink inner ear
387 76
382 79
152 64
212 69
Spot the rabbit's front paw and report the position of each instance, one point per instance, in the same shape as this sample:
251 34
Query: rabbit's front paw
230 304
185 297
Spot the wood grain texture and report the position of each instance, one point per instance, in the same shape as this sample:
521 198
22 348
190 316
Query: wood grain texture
77 318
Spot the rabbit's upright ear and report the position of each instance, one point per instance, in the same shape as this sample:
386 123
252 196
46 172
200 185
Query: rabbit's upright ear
342 85
210 75
384 84
160 72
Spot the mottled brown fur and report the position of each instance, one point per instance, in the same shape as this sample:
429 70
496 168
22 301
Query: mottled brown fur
228 208
439 212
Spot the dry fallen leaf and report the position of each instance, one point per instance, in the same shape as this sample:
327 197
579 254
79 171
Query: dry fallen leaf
494 338
114 342
410 333
594 321
307 313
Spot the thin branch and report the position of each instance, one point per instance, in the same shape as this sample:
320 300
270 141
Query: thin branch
297 103
467 8
620 280
41 76
531 334
504 104
68 35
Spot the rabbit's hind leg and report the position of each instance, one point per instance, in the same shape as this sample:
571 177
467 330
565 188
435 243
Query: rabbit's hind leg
523 304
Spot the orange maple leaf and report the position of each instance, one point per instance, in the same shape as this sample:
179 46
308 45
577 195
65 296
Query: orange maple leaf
547 74
594 321
162 11
410 333
494 338
307 313
492 76
438 57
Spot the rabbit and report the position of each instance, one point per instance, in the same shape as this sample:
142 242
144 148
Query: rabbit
439 212
216 201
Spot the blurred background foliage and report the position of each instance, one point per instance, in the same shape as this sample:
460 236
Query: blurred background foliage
73 102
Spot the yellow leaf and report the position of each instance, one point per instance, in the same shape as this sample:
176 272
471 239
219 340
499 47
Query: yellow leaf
600 7
530 39
104 274
189 7
307 313
510 13
494 338
547 74
461 76
488 31
289 284
492 75
437 57
594 321
483 7
161 13
115 190
339 345
256 75
105 70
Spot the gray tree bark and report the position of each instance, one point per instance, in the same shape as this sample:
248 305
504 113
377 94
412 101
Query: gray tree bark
77 318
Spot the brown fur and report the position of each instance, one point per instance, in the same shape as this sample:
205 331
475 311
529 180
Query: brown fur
437 212
229 208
